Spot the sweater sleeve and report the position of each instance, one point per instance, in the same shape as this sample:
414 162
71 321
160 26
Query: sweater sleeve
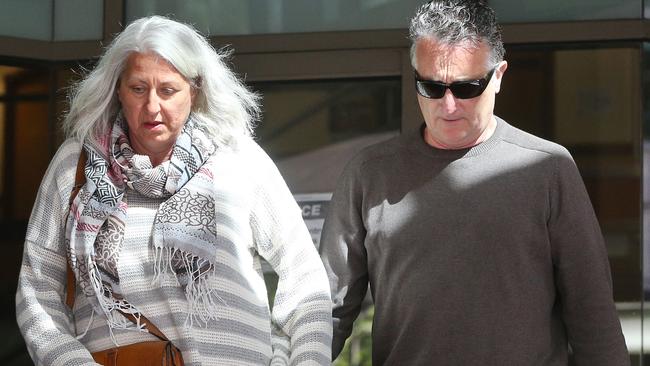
301 315
42 315
582 272
344 256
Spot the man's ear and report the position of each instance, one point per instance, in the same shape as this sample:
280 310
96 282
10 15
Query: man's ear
498 75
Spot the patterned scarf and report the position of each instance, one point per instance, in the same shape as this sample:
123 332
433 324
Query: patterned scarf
184 232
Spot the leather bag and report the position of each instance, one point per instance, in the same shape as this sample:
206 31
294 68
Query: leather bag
151 353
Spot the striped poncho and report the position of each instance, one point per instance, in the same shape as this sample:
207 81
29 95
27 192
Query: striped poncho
257 219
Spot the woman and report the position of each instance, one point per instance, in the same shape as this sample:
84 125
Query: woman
177 207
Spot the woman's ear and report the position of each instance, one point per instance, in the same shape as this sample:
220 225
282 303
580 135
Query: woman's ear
117 92
194 88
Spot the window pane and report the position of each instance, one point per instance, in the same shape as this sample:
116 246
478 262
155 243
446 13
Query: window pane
18 19
74 20
25 142
31 145
221 17
78 20
517 11
24 155
646 200
311 129
218 17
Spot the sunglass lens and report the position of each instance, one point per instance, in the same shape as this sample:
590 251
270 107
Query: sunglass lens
466 90
430 90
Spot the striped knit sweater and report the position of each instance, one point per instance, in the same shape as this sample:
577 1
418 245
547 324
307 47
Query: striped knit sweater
260 219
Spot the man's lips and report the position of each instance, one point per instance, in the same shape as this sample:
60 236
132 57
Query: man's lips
451 119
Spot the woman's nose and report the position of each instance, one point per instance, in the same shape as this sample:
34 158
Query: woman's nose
153 102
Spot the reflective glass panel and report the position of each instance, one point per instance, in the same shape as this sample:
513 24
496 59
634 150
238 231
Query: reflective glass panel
30 19
48 20
24 155
519 11
220 17
646 201
312 128
78 20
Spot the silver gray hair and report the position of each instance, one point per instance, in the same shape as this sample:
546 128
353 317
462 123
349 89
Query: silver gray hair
223 106
457 22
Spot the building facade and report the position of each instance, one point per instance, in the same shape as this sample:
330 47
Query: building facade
335 76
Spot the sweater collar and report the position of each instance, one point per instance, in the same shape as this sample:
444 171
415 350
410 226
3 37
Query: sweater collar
415 140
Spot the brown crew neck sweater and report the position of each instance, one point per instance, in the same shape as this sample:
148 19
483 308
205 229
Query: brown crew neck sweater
490 255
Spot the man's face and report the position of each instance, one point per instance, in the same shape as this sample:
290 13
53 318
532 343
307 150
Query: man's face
453 123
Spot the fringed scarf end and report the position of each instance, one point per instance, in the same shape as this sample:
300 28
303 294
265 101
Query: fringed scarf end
203 300
111 306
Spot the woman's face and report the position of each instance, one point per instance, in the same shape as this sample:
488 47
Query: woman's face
156 101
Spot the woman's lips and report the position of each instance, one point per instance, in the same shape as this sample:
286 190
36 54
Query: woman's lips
152 125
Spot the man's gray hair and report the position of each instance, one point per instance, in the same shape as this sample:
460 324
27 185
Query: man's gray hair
223 106
456 22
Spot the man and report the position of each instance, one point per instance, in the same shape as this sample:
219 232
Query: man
478 240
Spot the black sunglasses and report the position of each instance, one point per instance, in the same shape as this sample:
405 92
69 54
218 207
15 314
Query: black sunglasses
460 89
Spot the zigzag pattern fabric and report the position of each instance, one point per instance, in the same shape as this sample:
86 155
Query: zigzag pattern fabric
95 227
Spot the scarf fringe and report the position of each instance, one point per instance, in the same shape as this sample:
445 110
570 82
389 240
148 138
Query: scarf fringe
112 306
203 300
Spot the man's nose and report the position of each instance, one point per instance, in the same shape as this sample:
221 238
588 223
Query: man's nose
449 101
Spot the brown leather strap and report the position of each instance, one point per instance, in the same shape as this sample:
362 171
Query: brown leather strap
146 323
79 176
70 290
79 180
